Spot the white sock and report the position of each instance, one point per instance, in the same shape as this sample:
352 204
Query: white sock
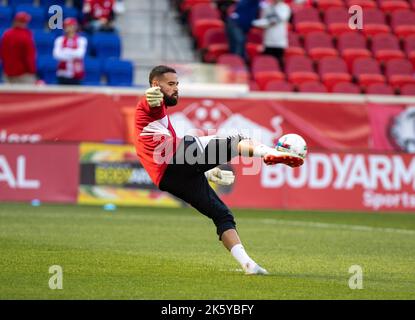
242 257
260 150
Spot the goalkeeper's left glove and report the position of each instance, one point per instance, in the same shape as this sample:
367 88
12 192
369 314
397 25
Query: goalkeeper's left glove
223 177
154 96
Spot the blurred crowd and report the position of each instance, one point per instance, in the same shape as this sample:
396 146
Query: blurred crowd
18 50
240 16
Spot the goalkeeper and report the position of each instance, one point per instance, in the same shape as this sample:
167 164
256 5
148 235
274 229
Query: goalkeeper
183 167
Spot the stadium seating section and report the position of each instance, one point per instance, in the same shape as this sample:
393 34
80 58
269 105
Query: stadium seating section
103 64
324 54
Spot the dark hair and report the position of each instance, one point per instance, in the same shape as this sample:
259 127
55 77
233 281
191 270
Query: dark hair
159 71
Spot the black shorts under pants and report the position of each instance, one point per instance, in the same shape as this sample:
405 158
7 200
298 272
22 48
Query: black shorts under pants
185 177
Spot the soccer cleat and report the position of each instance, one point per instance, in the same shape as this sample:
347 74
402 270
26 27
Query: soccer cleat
282 157
256 269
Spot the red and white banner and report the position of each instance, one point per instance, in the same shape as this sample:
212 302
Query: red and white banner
42 172
98 117
60 117
356 151
327 180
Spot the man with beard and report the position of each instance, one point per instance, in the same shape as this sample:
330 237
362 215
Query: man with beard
183 167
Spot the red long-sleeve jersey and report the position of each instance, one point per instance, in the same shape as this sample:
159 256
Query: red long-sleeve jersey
18 52
155 139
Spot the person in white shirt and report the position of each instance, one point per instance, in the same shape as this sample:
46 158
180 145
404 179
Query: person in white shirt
274 18
70 50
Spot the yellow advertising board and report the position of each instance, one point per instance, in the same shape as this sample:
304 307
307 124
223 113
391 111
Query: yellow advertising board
112 174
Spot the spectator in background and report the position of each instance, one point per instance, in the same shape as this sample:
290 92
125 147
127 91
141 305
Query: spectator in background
70 50
18 52
78 4
238 24
98 15
224 6
274 18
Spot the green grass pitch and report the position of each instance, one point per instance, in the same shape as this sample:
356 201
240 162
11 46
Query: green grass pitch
153 253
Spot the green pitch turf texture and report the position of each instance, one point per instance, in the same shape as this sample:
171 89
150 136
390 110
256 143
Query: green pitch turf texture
153 253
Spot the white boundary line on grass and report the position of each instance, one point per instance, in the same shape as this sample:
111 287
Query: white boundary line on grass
323 225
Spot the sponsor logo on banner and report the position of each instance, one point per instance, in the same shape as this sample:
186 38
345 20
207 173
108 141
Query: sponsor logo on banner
39 171
112 174
383 181
16 179
403 130
6 137
209 117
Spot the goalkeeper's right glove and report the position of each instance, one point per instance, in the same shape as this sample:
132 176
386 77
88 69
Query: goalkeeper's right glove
273 156
154 96
222 177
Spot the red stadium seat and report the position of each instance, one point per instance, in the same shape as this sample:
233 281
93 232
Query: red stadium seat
307 20
333 70
298 6
323 5
399 72
352 46
232 60
408 90
238 72
403 22
265 68
279 86
319 45
214 44
386 47
389 6
367 71
254 43
365 4
203 11
188 4
410 48
300 69
379 88
294 46
374 22
201 26
337 21
253 86
346 87
312 87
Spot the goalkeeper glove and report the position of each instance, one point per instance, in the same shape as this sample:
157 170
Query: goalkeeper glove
154 96
218 176
273 156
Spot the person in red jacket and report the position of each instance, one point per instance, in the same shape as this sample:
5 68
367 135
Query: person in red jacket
70 50
98 15
18 52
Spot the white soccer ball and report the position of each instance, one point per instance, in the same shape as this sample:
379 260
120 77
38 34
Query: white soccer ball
294 144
